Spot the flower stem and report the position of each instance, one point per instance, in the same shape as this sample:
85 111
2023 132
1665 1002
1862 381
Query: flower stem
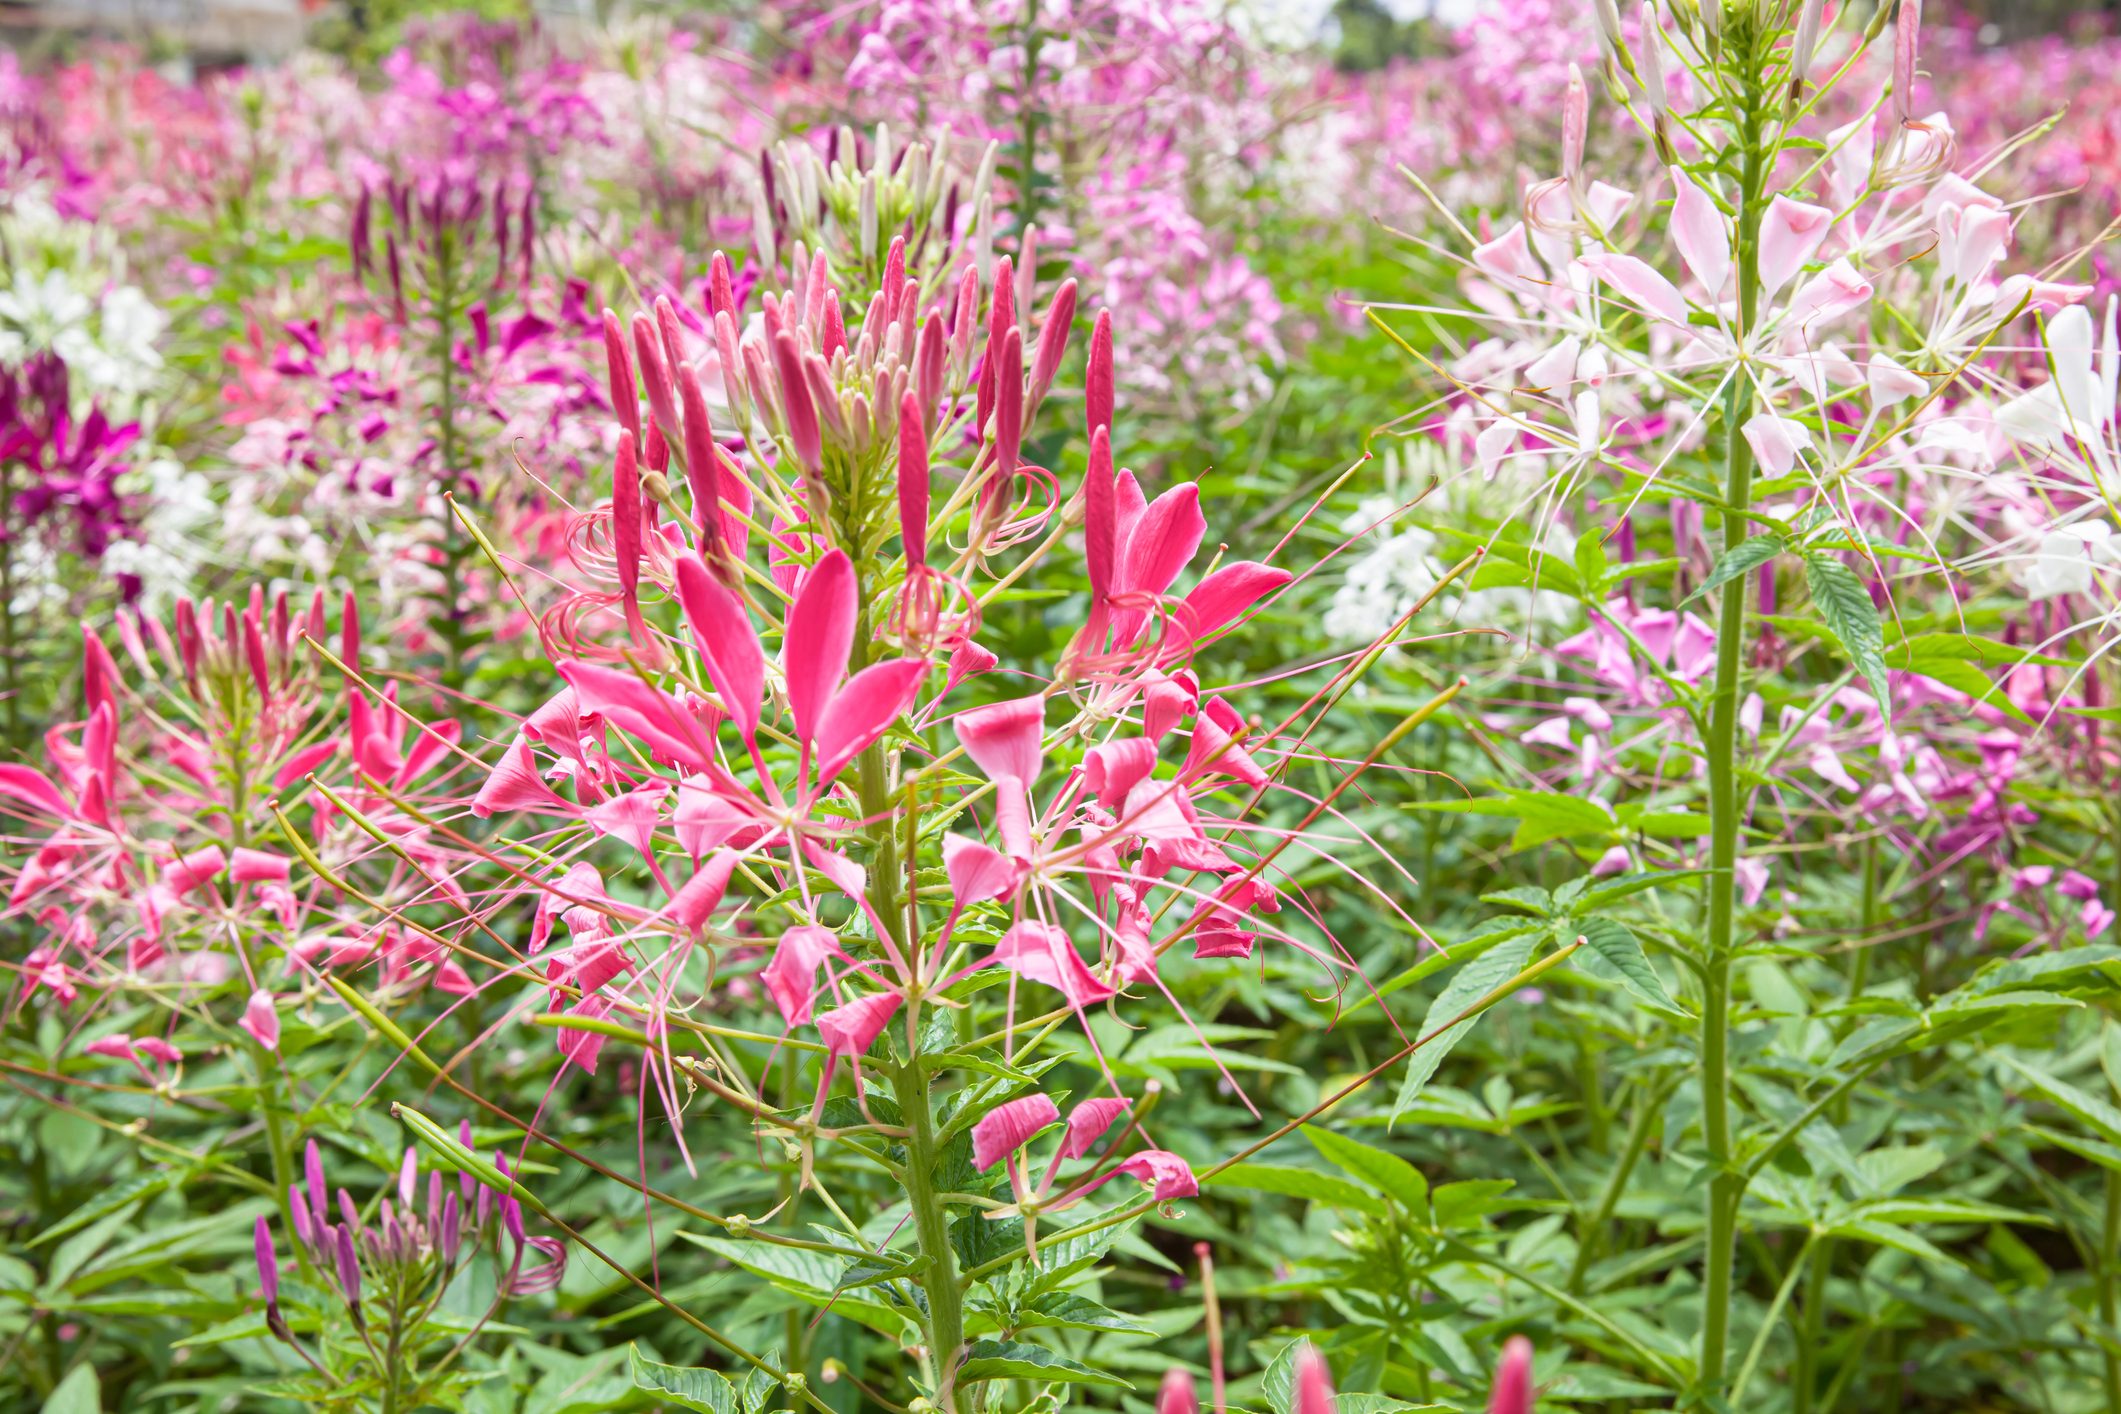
1725 808
931 1225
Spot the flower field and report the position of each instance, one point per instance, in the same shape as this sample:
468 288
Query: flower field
977 706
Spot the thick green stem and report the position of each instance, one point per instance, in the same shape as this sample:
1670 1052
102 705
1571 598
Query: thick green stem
931 1225
1811 1334
2110 1286
1725 807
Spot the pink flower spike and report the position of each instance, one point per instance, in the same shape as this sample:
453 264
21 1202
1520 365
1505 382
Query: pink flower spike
1097 378
194 870
1040 952
1008 1127
912 482
851 1029
262 1020
1314 1383
258 866
791 977
819 636
1513 1379
1789 237
1635 280
1701 233
729 645
1087 1124
1176 1395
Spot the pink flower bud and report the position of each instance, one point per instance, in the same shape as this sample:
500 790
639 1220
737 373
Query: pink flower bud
1314 1383
655 376
262 1020
349 1266
1097 378
796 405
912 482
721 288
1052 345
268 1260
1513 1379
618 374
703 467
1177 1395
626 538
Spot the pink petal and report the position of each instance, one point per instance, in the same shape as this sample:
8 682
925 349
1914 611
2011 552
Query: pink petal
698 897
849 1030
969 660
1040 952
736 664
820 634
117 1046
1008 1127
671 732
1087 1124
864 710
1635 280
33 788
791 977
1115 767
514 784
632 816
1004 740
155 1048
1168 1177
1701 233
977 871
1789 237
1162 543
193 870
1228 594
262 1020
253 866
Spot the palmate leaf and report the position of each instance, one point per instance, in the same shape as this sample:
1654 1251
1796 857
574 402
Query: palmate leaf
1845 607
1619 949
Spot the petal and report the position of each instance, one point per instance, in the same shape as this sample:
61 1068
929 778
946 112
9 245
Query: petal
791 977
864 710
978 872
1008 1127
1228 594
1040 952
1005 740
1636 280
1087 1124
729 645
1168 1177
1701 233
1163 541
1789 237
671 732
514 784
849 1030
820 635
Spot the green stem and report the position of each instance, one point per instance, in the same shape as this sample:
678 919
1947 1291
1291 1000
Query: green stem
1804 1379
1592 1239
931 1225
1725 809
2110 1286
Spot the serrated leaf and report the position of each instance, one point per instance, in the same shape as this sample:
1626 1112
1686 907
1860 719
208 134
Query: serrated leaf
2086 1108
1074 1311
1017 1360
1618 948
1746 555
1845 607
704 1390
1467 985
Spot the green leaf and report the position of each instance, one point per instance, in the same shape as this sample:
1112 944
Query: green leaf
1388 1173
1074 1311
1745 555
1621 950
703 1390
78 1393
1467 985
2086 1108
1845 606
128 1192
1016 1360
1296 1183
1540 815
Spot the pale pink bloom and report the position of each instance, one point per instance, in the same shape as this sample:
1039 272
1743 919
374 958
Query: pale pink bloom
1789 236
1702 233
1891 383
1777 441
1752 877
1616 860
1008 1127
1637 281
1828 295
